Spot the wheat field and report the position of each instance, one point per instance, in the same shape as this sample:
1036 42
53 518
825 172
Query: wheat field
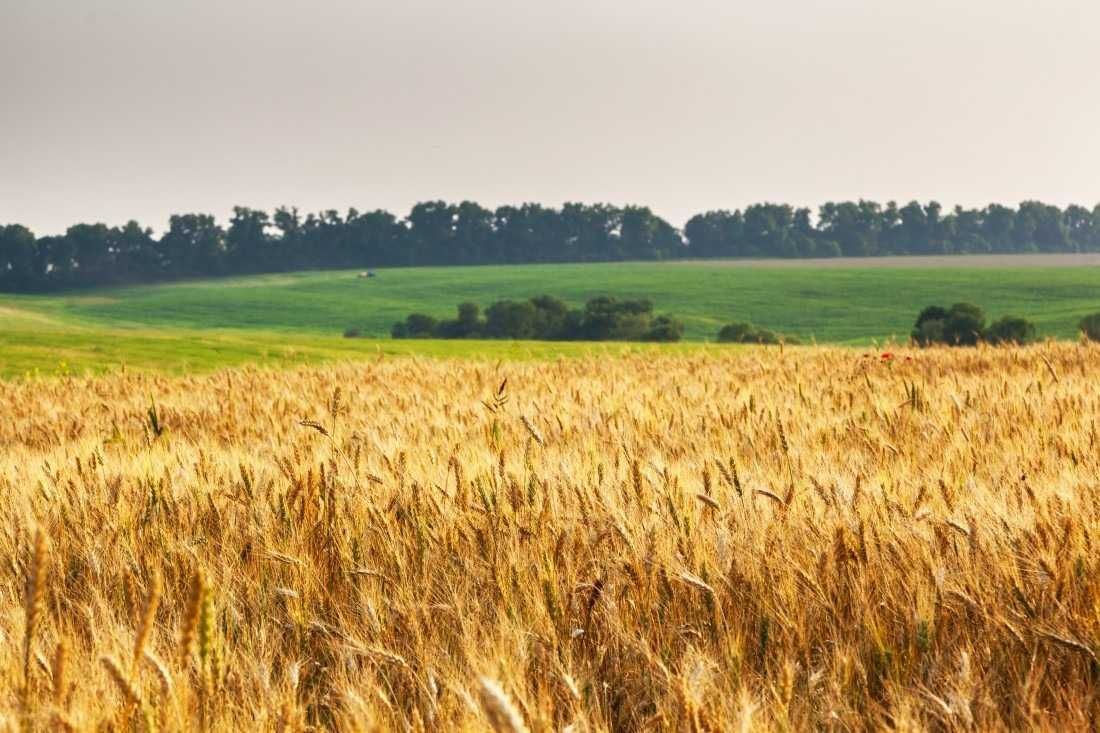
760 539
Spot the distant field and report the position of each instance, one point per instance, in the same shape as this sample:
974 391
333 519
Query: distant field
299 317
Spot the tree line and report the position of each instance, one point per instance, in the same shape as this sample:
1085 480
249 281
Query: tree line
441 233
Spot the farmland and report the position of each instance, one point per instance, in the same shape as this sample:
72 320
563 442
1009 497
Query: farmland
298 318
708 540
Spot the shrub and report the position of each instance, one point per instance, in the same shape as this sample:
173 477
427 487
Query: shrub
352 333
467 325
1090 327
736 333
929 332
416 326
961 325
665 329
608 319
552 318
964 325
510 319
1011 330
746 333
546 318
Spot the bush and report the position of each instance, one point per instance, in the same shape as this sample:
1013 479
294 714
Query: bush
1011 330
416 326
608 319
746 333
352 333
509 319
546 318
965 324
1090 327
664 329
736 333
929 332
961 325
467 325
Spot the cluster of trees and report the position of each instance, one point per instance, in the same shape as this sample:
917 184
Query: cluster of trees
547 318
867 228
440 233
746 333
964 324
434 233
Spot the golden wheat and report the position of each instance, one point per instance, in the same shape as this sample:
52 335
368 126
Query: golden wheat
757 539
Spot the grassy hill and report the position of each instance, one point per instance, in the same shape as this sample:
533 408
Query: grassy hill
299 317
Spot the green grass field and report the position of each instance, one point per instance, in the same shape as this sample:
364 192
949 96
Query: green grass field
299 318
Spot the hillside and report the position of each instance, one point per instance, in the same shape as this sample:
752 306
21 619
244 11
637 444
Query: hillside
299 317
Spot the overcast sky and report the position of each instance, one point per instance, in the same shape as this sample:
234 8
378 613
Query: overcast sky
120 109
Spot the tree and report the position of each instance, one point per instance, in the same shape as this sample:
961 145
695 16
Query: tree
551 318
431 234
376 238
473 234
645 236
998 227
590 233
19 261
608 319
963 324
467 325
193 245
1011 330
415 326
59 256
509 319
136 256
247 244
853 226
1045 226
767 230
931 313
1080 228
93 260
664 328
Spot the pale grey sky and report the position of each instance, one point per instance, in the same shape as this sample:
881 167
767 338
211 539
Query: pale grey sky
119 109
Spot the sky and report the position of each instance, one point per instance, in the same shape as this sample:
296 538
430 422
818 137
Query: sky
113 110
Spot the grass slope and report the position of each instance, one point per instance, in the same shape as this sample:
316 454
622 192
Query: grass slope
63 351
298 317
